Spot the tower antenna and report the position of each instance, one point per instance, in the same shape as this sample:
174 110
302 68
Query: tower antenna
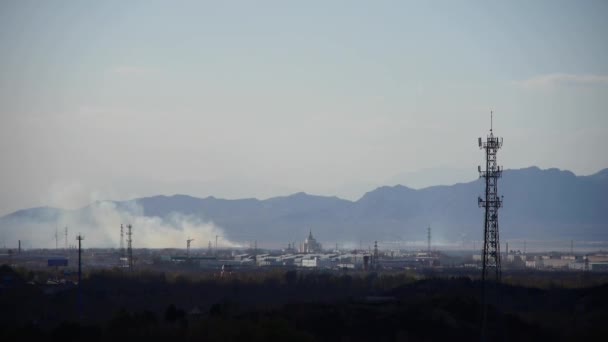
491 269
491 203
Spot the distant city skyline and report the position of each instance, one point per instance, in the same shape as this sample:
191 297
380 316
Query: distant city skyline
121 99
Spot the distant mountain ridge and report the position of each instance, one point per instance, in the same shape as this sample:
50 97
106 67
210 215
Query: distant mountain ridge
543 204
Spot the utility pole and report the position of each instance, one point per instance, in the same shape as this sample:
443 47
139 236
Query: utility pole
216 244
56 238
79 237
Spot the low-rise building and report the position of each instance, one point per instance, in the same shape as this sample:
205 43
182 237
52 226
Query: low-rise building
555 263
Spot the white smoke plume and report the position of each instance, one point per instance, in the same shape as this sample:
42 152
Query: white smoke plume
100 224
148 232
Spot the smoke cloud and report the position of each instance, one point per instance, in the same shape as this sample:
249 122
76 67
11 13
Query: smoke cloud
148 232
100 224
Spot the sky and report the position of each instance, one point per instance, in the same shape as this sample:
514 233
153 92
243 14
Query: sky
121 99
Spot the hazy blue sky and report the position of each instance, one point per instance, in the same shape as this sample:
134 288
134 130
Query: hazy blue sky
113 99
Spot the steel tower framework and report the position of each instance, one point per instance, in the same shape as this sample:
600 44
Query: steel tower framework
122 242
492 202
188 242
130 246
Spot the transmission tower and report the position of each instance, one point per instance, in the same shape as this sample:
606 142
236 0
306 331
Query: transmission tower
130 246
66 238
188 241
375 261
122 241
571 247
491 203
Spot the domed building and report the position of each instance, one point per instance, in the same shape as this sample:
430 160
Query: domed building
311 245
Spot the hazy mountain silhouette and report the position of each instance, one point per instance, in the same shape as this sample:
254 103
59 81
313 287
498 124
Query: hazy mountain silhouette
538 204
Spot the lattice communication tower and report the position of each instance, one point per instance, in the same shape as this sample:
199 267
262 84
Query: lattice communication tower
491 203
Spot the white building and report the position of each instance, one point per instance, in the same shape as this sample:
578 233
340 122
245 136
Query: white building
310 245
309 262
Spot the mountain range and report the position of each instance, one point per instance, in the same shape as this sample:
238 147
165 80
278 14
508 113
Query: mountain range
548 204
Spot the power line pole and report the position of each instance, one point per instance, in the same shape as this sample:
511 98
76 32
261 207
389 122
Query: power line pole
79 237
